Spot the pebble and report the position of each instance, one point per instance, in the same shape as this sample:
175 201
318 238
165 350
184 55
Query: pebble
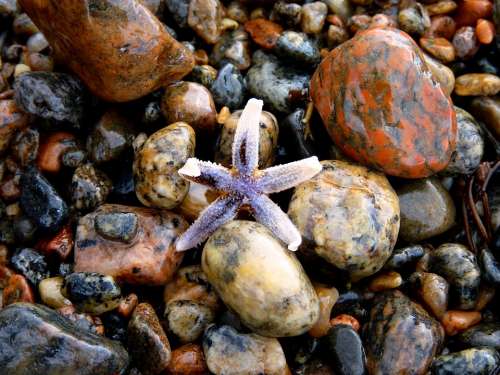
111 136
470 145
476 84
229 87
395 323
426 209
191 103
127 305
342 8
25 146
233 47
327 298
205 18
459 267
455 321
59 245
91 292
362 132
473 361
313 17
490 267
188 359
336 35
414 19
485 31
274 82
345 350
385 281
288 14
117 226
465 42
226 350
237 11
17 290
272 277
89 187
469 11
188 319
29 332
441 27
268 141
297 47
204 74
147 342
349 216
8 7
157 183
51 294
346 319
31 265
263 32
124 58
433 291
440 48
51 150
12 119
483 334
178 9
150 258
441 7
59 97
487 110
404 256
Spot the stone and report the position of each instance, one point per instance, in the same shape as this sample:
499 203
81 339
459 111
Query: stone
414 19
204 74
485 31
490 267
25 146
191 103
179 11
91 292
41 202
8 7
127 305
433 291
117 226
31 265
473 361
344 319
264 33
156 162
456 321
57 246
17 290
465 42
440 48
349 216
484 334
257 277
469 11
51 150
197 199
53 96
327 298
148 345
50 290
426 209
36 340
441 27
268 141
404 256
233 47
297 47
395 323
205 18
287 14
384 136
12 119
345 350
487 110
150 258
441 7
226 350
385 281
441 73
90 187
188 319
340 7
188 359
458 265
313 17
121 51
229 87
477 84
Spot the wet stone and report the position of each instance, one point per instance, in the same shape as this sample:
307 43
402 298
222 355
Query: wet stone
233 47
484 334
91 292
404 256
50 290
396 322
147 342
362 131
204 74
298 47
349 216
433 291
188 359
440 48
53 96
313 17
426 209
345 349
264 33
474 361
31 265
229 87
117 226
51 149
25 146
188 319
476 84
490 267
89 187
225 350
288 14
414 19
459 267
73 158
72 350
205 18
465 42
40 201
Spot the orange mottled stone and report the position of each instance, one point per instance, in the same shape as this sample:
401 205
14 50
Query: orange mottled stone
118 48
265 33
382 107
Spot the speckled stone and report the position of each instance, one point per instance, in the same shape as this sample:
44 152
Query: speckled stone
396 323
349 216
90 187
426 209
260 280
474 361
31 264
233 47
150 258
226 350
205 18
12 118
229 87
187 319
297 47
117 226
35 340
268 142
157 183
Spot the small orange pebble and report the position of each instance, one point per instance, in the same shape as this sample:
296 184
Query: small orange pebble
485 31
17 290
327 298
335 20
265 33
385 281
60 245
455 321
127 305
200 57
49 154
187 360
346 319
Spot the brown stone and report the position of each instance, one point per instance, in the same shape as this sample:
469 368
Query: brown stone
188 360
59 245
327 298
441 27
11 120
192 103
440 48
127 305
485 31
148 258
477 84
205 18
385 281
17 290
347 320
441 7
119 49
433 291
455 321
264 33
469 11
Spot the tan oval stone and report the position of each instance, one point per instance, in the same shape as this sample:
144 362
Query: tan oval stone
476 84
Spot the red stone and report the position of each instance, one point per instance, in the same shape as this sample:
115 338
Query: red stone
60 245
263 32
17 290
382 107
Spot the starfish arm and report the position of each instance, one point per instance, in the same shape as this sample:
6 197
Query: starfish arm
270 214
218 213
286 176
206 173
246 138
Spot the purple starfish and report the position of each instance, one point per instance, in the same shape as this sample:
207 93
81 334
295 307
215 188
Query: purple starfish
244 184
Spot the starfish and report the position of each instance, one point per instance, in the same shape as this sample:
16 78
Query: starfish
245 185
